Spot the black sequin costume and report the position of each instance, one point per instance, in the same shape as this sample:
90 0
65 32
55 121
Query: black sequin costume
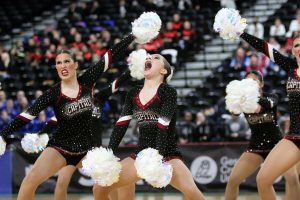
265 133
156 121
74 135
292 86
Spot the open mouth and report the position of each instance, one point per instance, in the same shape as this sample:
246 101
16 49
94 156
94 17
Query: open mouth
64 72
148 65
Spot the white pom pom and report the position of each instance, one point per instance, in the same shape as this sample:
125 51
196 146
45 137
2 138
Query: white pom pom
2 146
43 141
229 23
136 62
102 166
234 93
30 143
150 166
249 102
146 27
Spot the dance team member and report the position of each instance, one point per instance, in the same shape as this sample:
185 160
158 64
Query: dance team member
154 106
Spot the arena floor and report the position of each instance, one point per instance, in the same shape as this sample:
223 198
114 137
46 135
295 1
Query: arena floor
251 196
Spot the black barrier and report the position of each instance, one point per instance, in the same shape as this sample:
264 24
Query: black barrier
210 164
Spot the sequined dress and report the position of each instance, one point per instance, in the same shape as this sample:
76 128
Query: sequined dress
156 121
265 133
74 134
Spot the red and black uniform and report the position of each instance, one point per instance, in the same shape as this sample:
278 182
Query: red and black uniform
156 121
265 133
74 134
293 83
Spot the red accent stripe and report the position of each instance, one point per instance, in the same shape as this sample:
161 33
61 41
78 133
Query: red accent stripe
161 126
121 123
266 46
117 84
144 107
289 137
109 57
52 122
24 119
296 74
133 156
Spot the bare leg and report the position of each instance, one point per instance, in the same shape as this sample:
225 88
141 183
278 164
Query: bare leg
182 180
64 178
126 193
292 184
127 176
283 156
245 166
43 168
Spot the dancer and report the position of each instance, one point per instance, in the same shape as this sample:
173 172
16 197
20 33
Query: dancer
154 106
65 174
72 103
265 135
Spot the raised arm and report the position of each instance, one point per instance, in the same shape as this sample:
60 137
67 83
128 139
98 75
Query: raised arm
113 87
45 100
123 122
264 47
93 73
168 110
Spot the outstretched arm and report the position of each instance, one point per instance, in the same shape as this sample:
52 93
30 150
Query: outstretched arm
168 110
123 123
94 72
45 100
51 124
264 47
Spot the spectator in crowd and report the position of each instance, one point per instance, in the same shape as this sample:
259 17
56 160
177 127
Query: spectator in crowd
4 119
177 24
256 28
186 129
257 63
3 100
203 128
10 108
4 63
237 128
284 123
38 123
239 61
294 25
277 29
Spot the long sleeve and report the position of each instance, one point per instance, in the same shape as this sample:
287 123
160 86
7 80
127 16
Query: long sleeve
269 101
168 110
47 99
262 46
50 125
93 73
106 92
123 122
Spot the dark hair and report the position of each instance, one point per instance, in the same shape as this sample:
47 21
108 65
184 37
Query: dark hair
167 66
257 74
70 53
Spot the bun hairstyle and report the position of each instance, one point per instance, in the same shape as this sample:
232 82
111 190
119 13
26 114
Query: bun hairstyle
70 53
170 70
257 74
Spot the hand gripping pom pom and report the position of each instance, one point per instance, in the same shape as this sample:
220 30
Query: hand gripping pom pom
136 62
234 93
249 102
146 27
2 146
30 143
150 166
102 166
43 141
229 24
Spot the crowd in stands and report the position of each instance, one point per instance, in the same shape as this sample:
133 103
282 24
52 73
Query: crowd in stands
89 32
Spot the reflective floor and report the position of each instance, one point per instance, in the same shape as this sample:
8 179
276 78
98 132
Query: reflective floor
209 196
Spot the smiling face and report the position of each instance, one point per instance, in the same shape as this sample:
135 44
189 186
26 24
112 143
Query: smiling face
66 67
154 67
296 48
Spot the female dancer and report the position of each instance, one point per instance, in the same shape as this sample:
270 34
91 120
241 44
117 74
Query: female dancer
65 174
154 106
288 149
265 135
73 105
